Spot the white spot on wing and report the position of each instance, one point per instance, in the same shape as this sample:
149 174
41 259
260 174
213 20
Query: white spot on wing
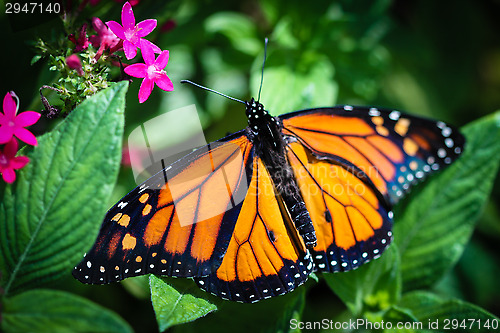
394 115
448 142
122 204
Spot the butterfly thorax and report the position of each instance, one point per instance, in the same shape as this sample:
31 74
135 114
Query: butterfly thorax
264 127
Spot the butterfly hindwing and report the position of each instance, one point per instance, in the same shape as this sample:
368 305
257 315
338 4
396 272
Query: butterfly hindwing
392 149
266 257
351 222
171 224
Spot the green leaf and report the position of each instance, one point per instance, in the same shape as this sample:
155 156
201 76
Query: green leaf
270 315
292 311
173 307
240 30
434 312
35 59
372 287
137 286
42 310
305 82
53 211
438 220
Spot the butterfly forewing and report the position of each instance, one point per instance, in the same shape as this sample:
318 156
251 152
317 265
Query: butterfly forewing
171 224
394 150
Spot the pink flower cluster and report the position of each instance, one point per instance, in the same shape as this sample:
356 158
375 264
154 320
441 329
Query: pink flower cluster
13 125
128 36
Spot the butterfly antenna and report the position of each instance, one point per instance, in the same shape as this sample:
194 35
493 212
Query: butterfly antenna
211 90
266 40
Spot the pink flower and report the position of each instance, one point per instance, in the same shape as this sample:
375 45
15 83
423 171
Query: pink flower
73 62
152 71
105 38
12 125
131 33
9 162
82 43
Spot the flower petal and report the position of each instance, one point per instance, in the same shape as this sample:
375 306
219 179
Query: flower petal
137 70
163 82
27 118
6 134
145 27
10 149
24 135
9 106
129 49
19 162
156 49
9 175
162 60
99 26
128 19
147 52
145 90
116 28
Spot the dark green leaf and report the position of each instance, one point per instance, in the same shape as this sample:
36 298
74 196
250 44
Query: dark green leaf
439 219
52 213
431 309
371 288
292 311
52 311
173 307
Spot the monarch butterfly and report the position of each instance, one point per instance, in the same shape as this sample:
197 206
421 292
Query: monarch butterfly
304 191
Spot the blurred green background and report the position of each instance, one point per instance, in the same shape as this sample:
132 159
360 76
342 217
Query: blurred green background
433 58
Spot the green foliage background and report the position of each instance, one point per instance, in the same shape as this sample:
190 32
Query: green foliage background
431 58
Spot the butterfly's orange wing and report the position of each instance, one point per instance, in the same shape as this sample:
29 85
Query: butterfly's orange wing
352 165
177 223
351 223
393 150
266 256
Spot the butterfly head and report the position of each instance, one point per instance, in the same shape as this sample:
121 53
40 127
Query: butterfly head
257 116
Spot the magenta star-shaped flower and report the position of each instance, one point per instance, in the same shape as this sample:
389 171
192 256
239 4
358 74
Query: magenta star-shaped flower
12 125
10 162
152 71
105 38
131 33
